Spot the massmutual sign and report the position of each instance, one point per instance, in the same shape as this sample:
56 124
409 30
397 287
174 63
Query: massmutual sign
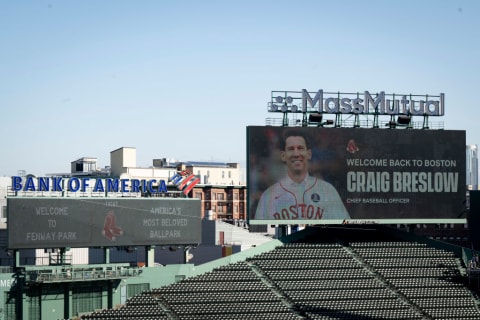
365 103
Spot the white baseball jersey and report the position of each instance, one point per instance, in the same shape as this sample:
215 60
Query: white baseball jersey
312 199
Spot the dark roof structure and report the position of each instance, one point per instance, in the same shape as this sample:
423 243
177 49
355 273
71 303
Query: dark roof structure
320 273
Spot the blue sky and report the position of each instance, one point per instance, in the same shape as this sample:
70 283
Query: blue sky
183 79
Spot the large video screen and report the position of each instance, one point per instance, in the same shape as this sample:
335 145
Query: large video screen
316 175
88 222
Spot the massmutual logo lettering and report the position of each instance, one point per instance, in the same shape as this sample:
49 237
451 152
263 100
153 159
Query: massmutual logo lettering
185 181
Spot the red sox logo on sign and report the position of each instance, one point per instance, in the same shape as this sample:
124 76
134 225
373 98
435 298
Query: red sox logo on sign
110 229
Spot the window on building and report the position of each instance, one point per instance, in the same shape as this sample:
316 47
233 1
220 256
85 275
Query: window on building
223 174
135 289
86 298
198 195
229 174
220 196
235 196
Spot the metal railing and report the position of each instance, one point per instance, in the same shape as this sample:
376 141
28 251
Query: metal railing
350 123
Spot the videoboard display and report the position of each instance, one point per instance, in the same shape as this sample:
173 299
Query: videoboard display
355 175
94 222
